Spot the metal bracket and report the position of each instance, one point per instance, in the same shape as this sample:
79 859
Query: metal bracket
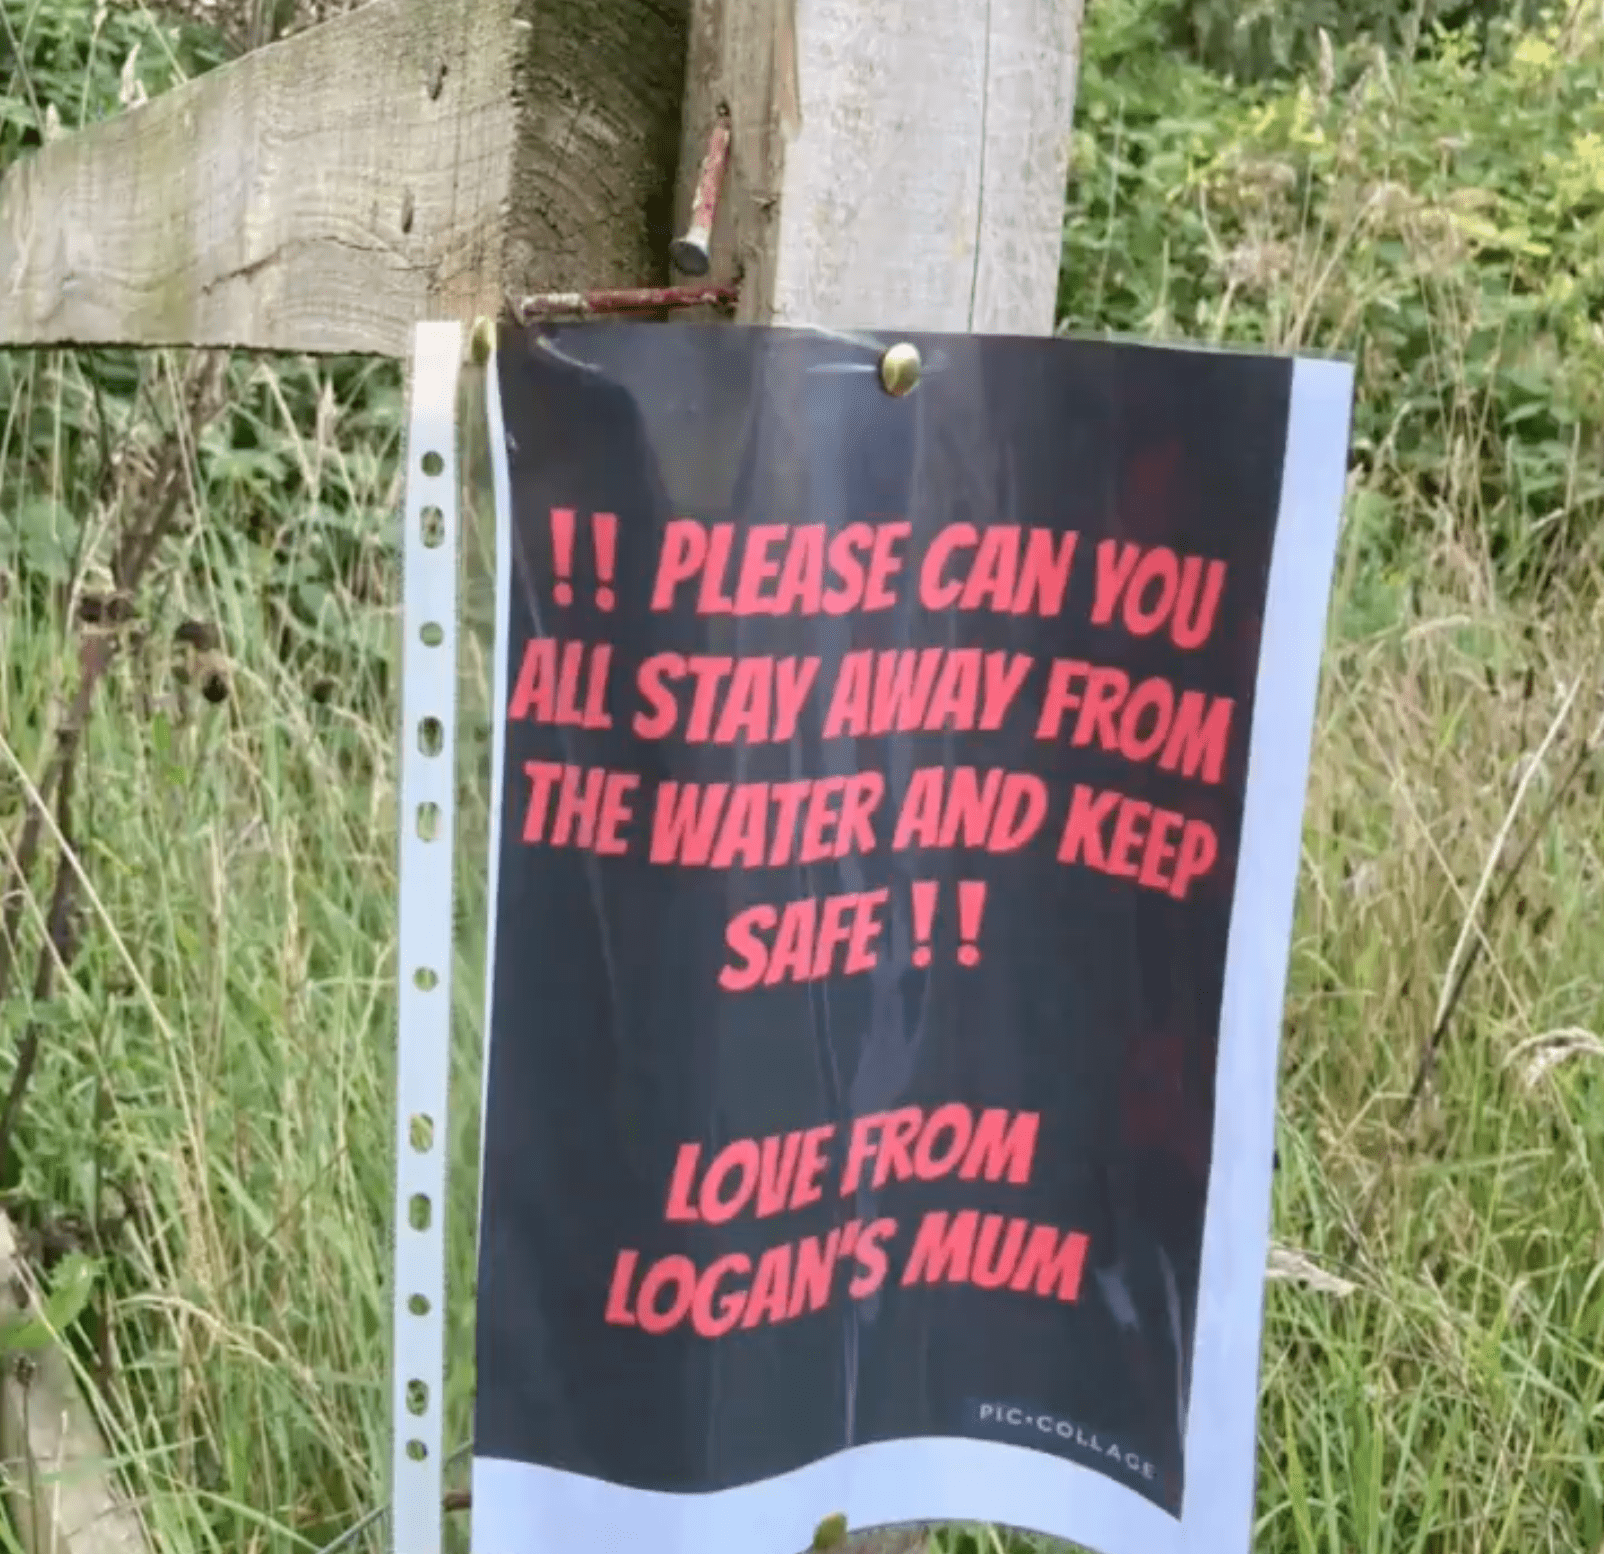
423 1057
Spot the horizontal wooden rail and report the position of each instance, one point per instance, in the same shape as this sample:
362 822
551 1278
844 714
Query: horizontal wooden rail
411 159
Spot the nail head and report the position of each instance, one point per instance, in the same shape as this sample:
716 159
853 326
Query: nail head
690 254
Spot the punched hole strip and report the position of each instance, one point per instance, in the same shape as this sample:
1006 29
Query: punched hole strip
426 820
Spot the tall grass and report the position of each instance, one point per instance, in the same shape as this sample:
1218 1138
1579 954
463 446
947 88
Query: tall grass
209 1117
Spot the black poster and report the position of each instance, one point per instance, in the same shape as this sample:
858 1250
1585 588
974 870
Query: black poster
896 823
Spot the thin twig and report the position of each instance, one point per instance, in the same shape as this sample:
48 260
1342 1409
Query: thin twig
95 654
21 65
57 950
1452 980
380 1511
134 553
1473 947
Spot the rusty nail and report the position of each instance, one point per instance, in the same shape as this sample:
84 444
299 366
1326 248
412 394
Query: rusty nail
635 299
692 251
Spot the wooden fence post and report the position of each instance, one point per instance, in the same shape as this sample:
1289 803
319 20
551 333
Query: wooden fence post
894 165
900 165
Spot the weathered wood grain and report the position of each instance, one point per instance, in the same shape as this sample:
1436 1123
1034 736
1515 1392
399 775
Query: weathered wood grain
60 1485
896 165
412 159
599 85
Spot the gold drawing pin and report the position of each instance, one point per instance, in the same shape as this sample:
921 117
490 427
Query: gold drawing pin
900 368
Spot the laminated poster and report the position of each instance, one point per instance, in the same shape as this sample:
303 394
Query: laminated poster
896 823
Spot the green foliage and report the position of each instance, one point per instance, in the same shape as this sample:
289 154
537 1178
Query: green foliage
295 479
79 61
72 1282
296 475
1442 219
1252 40
302 464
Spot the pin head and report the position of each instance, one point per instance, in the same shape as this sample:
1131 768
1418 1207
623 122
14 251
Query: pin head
899 369
831 1532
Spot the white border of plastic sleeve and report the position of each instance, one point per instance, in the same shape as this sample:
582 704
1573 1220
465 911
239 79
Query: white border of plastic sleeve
426 820
1222 1426
501 487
